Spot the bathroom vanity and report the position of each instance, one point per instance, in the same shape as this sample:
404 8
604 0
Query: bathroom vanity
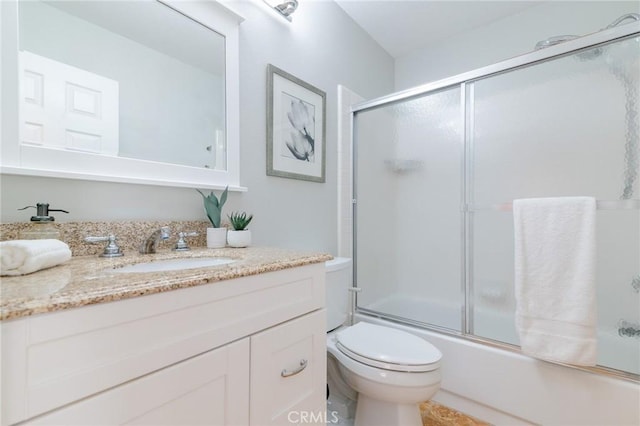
236 344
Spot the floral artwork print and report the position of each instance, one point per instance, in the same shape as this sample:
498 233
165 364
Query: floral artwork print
299 125
296 127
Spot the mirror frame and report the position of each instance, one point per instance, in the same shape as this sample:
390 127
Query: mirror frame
26 160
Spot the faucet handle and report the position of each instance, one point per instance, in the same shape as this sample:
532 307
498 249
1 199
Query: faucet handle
182 245
165 233
111 249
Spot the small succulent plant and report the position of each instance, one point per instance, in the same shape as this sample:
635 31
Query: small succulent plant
213 206
240 221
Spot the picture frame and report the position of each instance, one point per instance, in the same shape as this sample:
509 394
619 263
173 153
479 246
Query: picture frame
296 127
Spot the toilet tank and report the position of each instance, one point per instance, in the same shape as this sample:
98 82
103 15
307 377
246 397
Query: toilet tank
339 276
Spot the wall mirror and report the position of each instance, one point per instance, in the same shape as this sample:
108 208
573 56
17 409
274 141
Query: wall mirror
131 91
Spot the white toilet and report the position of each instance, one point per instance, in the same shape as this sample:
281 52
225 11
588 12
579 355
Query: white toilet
391 370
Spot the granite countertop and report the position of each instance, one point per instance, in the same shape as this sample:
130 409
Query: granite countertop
86 280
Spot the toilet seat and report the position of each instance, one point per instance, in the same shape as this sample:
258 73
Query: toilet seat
387 348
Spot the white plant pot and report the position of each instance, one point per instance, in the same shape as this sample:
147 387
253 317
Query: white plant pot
239 238
216 237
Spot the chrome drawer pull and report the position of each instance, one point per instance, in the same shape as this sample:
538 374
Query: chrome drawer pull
303 365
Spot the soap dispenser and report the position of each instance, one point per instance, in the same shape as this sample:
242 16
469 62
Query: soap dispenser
41 226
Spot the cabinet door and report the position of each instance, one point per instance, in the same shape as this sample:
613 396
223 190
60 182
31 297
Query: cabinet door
209 389
288 372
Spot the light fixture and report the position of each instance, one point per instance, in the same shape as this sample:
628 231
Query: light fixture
284 8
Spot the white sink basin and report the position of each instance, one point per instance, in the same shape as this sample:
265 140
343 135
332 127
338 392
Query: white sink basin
175 264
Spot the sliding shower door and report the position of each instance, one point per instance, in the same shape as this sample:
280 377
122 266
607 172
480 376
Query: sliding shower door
565 127
436 171
409 188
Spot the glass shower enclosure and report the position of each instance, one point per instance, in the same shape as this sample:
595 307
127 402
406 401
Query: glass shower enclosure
436 169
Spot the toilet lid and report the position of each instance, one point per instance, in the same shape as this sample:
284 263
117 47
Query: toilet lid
387 348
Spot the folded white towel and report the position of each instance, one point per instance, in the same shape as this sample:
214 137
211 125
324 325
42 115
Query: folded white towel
555 290
20 257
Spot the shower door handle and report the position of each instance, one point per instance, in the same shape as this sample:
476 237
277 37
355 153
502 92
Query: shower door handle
303 365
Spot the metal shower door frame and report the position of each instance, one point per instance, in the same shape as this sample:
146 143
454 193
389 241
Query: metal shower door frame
465 82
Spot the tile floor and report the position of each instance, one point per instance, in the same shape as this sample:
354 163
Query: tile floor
434 414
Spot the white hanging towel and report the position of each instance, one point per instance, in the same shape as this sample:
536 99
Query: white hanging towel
555 252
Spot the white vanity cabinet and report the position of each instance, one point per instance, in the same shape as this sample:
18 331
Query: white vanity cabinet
212 354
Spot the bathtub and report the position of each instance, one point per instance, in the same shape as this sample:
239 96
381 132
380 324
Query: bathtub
505 387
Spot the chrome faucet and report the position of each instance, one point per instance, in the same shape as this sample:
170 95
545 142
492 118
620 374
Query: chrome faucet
148 246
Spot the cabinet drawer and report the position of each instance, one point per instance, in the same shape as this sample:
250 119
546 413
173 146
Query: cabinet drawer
297 350
210 389
61 357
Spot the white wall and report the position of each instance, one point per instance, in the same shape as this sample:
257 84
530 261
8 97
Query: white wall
322 47
505 38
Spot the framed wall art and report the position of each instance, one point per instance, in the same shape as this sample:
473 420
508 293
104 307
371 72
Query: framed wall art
296 126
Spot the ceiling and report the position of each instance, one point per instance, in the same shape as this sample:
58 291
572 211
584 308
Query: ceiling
401 26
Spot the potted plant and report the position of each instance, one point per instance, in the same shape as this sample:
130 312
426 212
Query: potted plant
216 236
240 236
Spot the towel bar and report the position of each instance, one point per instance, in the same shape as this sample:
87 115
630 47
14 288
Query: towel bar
633 204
